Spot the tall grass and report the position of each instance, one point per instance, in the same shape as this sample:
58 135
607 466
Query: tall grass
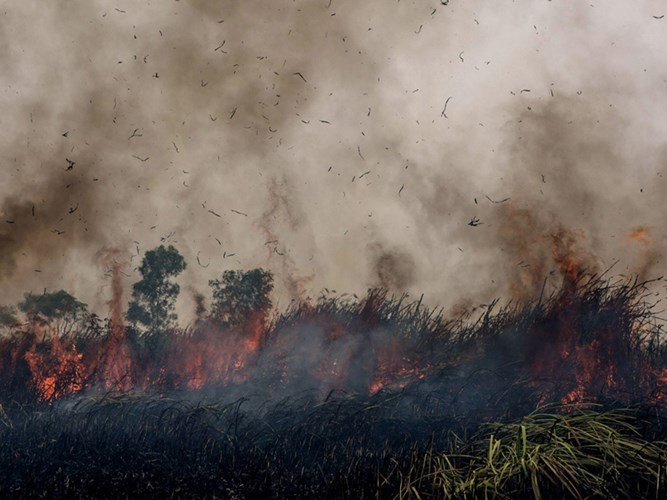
477 420
552 453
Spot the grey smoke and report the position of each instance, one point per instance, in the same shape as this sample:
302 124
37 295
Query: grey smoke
303 126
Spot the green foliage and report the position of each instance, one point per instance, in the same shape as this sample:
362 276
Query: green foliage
7 316
239 294
51 306
154 295
581 453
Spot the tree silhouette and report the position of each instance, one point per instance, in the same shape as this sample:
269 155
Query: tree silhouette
241 295
154 295
55 308
7 316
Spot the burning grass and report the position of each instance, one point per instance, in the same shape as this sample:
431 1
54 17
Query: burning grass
374 397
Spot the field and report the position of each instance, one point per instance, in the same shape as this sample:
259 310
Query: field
379 397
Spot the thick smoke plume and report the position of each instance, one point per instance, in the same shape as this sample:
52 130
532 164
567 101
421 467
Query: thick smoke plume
446 149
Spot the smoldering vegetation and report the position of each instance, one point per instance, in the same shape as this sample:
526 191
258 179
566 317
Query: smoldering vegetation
350 398
460 150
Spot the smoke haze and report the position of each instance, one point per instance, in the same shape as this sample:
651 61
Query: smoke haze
427 148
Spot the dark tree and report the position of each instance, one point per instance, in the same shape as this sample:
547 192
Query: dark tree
56 308
155 294
7 316
241 295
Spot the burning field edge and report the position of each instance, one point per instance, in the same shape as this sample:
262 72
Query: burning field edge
372 397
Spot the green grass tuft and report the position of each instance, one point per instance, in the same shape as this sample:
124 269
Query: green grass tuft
578 452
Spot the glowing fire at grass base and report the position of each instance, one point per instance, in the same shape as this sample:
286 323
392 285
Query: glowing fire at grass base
592 341
378 396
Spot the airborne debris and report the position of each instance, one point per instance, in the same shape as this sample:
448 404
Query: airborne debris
199 262
300 75
444 110
214 213
70 163
237 212
494 201
165 238
135 133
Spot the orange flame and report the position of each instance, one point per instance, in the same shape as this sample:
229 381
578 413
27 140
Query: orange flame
565 255
58 372
646 252
116 363
640 235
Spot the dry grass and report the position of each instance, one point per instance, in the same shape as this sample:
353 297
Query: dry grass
477 424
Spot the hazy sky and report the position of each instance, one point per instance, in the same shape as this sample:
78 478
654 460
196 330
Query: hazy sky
340 143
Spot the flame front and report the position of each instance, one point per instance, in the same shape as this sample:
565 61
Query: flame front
589 341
